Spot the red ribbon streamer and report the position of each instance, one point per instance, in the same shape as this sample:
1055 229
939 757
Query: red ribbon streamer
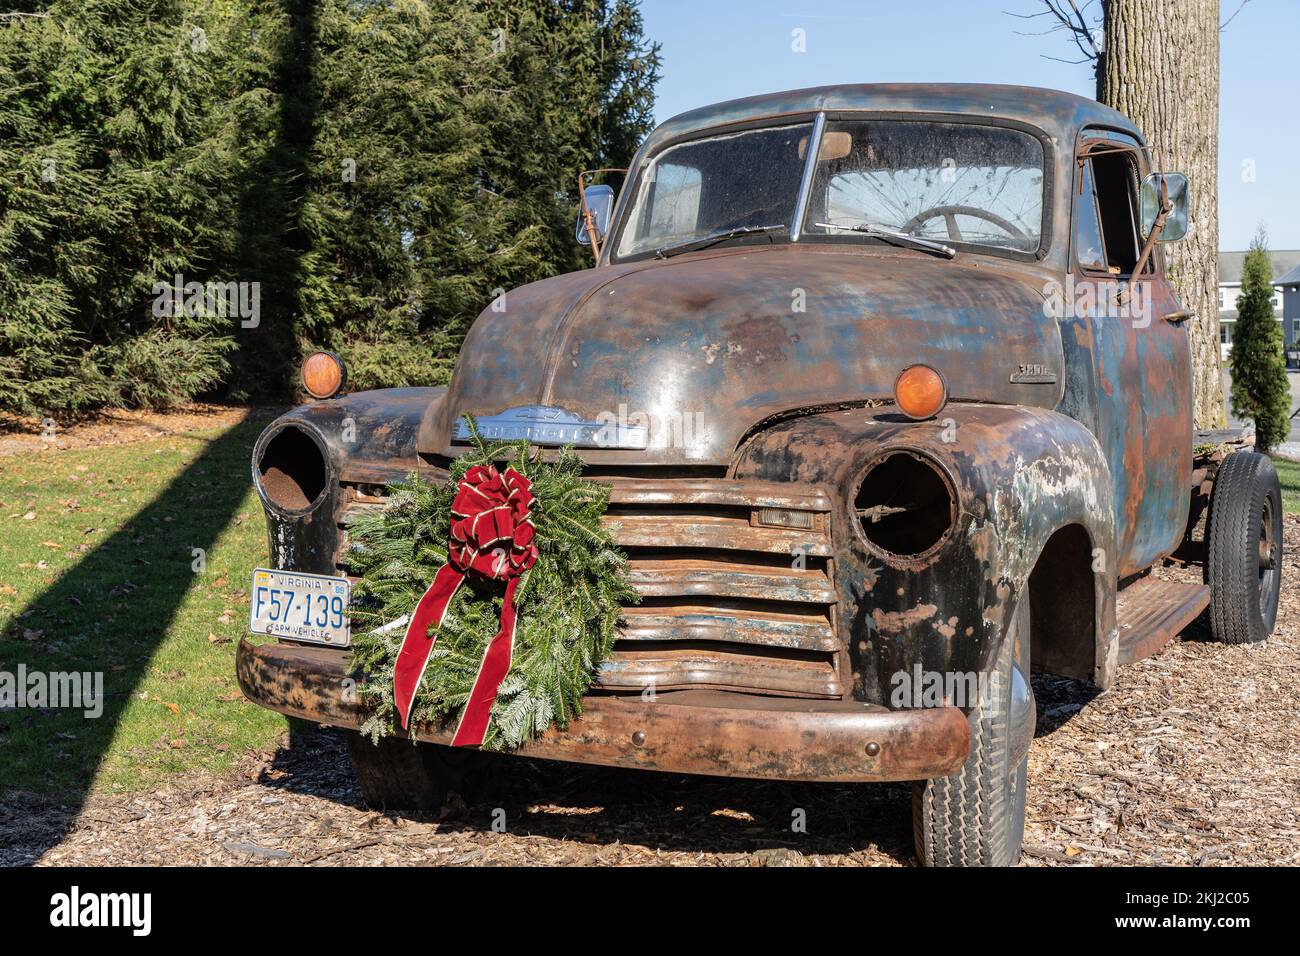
491 537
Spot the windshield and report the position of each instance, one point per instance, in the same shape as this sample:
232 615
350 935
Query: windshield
961 184
957 182
717 184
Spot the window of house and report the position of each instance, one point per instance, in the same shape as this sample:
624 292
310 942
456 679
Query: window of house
1223 334
1223 300
1107 231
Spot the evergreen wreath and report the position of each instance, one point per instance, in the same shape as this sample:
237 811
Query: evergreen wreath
569 601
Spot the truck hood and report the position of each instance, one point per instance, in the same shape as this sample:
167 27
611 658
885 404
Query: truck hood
696 351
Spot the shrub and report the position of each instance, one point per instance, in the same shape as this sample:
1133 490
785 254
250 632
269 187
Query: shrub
1259 384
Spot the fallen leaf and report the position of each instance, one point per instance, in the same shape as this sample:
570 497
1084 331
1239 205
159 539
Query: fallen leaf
215 639
174 708
1072 851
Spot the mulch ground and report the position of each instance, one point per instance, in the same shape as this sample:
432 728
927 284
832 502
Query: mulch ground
1190 759
112 427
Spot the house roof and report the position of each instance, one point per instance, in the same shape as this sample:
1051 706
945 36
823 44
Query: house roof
1286 266
1290 278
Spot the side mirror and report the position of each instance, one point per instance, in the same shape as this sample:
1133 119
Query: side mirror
600 202
1180 200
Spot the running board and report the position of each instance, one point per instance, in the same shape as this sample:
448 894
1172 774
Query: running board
1151 612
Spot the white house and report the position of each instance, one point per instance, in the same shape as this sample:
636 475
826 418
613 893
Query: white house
1286 294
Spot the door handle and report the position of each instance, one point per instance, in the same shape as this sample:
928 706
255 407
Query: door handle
1179 317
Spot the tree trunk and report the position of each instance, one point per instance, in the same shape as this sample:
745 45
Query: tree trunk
1160 67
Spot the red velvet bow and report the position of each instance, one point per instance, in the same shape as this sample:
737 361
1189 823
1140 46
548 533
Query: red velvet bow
491 537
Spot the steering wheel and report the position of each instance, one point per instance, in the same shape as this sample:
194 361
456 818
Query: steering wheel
950 214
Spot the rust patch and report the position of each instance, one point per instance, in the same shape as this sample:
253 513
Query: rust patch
895 622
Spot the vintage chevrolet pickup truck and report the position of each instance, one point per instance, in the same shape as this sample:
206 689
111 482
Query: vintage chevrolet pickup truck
895 403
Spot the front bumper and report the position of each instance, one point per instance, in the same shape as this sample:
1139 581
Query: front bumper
699 732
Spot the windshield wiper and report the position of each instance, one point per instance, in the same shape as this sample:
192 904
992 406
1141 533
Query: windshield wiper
713 238
897 238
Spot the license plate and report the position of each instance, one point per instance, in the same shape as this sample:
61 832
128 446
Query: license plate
300 607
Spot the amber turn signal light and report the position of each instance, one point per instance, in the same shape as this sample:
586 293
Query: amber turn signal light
920 392
323 374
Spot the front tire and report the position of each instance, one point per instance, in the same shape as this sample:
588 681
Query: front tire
1244 549
976 817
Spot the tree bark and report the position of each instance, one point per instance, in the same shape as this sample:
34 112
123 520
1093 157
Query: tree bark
1159 66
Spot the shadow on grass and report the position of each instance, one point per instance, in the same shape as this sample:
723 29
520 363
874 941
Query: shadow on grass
109 613
112 610
273 239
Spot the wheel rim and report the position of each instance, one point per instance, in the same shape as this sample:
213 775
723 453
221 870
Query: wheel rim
1269 559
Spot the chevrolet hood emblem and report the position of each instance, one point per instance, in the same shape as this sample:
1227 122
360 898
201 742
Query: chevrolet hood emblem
548 425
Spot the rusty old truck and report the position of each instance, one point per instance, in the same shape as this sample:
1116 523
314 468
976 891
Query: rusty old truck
895 401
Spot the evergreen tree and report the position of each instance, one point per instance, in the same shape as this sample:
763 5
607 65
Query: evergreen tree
1259 383
115 174
378 168
446 161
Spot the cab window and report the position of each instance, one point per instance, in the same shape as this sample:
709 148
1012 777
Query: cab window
1087 233
1107 234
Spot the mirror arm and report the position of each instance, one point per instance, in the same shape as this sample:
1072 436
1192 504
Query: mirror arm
1166 207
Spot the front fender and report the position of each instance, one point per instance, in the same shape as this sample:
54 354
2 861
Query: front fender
1019 474
368 438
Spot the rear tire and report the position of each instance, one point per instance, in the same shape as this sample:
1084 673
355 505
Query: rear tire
1244 549
976 817
396 775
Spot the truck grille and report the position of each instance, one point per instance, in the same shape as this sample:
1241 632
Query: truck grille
727 603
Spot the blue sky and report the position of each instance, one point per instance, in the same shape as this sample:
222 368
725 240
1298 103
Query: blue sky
720 49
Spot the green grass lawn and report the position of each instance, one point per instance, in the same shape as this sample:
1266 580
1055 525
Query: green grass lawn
1289 472
97 573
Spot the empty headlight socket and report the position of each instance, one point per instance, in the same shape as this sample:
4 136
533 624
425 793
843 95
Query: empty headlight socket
291 469
904 506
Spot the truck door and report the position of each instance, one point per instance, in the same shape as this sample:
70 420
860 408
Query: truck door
1141 361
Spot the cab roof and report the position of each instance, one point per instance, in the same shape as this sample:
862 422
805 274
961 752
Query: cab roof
1058 114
